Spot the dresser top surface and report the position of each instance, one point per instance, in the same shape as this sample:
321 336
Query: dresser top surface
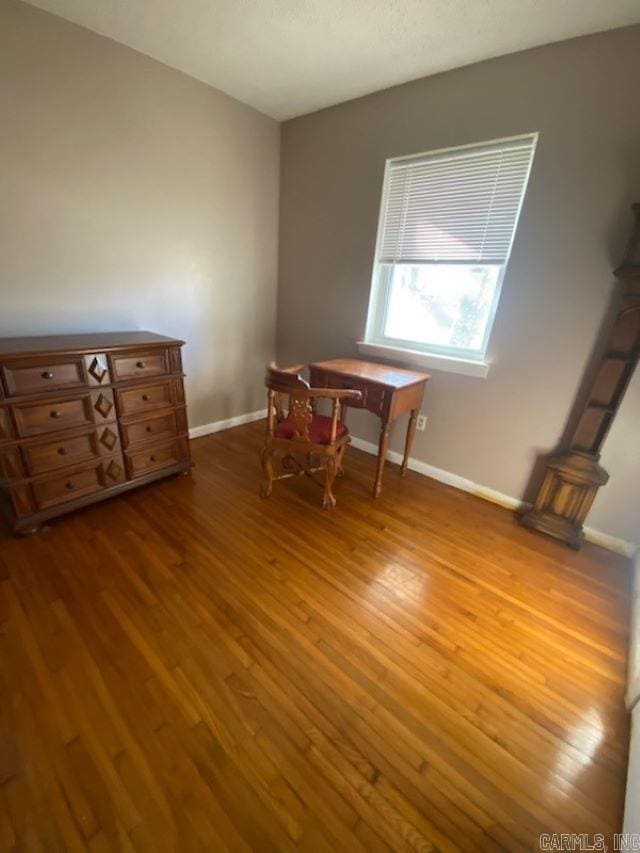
89 342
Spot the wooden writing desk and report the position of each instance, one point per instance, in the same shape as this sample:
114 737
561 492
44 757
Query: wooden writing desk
387 391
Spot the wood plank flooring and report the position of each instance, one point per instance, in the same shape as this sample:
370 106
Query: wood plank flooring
190 667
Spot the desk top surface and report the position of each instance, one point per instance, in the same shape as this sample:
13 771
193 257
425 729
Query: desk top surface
371 371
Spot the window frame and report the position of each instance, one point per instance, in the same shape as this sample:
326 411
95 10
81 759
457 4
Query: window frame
457 359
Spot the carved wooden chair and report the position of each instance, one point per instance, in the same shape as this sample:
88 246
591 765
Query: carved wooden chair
302 432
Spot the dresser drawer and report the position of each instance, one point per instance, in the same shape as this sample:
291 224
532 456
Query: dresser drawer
77 482
139 365
158 426
21 378
144 398
70 448
6 427
154 457
41 417
11 463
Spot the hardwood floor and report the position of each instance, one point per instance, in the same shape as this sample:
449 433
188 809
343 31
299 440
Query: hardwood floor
200 669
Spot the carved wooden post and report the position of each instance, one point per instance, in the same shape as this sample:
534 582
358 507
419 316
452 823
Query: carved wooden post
573 477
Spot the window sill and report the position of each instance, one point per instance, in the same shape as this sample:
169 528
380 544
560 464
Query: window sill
466 367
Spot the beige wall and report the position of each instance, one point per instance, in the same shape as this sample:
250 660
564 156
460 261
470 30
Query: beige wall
581 96
132 196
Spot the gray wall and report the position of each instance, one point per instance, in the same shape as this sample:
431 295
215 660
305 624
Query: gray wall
132 196
581 96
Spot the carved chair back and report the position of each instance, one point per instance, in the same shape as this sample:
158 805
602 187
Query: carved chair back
302 399
288 383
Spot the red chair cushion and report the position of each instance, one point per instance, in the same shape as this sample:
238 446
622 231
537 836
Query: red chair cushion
319 429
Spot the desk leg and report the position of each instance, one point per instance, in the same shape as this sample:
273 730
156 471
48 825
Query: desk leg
411 431
382 456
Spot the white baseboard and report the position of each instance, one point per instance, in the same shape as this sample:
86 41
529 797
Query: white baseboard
216 426
612 543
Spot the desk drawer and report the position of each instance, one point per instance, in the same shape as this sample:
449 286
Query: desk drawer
155 456
352 384
144 398
77 482
22 378
139 365
376 399
59 413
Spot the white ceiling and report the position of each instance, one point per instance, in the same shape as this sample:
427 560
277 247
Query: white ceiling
289 57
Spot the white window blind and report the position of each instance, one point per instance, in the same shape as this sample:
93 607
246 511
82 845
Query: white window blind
457 206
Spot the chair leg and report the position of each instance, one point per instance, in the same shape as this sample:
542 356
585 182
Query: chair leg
328 499
340 460
267 469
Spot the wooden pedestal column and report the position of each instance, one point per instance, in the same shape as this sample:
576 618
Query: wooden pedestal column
574 476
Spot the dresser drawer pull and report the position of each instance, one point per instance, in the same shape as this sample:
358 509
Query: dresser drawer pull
70 486
145 398
63 451
141 364
47 375
55 415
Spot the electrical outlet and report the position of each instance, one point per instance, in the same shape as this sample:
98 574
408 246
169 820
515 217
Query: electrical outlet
421 422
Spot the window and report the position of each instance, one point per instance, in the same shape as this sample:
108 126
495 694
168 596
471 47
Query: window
447 223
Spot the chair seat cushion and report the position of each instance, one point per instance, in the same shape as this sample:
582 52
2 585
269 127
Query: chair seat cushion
319 429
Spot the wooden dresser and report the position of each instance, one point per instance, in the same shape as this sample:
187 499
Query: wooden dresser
86 417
